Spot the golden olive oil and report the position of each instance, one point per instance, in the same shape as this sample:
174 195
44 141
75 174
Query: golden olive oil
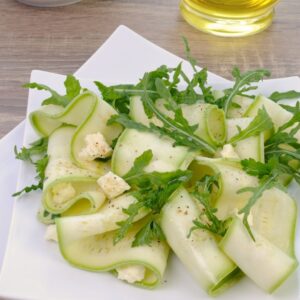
229 17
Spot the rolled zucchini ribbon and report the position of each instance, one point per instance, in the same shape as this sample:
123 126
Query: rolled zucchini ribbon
274 214
216 266
210 119
69 189
275 265
88 113
87 242
199 252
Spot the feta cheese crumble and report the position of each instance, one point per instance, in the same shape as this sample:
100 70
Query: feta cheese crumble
51 233
62 192
112 185
96 147
131 274
229 152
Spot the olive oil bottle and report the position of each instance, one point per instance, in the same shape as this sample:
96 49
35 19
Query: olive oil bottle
229 17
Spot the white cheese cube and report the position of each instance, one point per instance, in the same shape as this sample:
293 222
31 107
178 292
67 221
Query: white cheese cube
51 233
229 152
63 192
131 274
112 185
96 147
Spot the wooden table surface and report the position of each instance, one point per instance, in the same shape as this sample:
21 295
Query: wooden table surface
61 39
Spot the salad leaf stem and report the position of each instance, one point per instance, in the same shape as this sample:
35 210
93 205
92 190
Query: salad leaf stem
260 123
277 96
208 219
72 86
242 84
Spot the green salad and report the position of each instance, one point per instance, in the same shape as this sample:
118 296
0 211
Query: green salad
170 164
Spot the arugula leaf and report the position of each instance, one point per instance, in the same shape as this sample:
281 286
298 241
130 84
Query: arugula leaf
177 128
149 233
260 123
201 78
293 121
290 108
208 219
124 226
277 96
117 96
294 154
176 76
274 145
187 96
152 191
55 97
138 166
38 147
190 96
188 55
164 92
273 166
40 167
126 122
243 83
72 86
29 189
163 72
163 81
279 138
258 169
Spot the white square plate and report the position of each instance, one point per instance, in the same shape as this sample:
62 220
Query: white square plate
33 268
